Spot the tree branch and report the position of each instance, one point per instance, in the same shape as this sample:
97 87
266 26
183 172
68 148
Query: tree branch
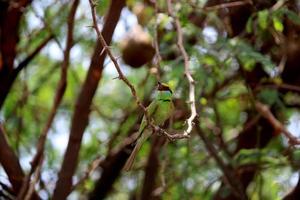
126 81
37 160
82 107
32 55
111 168
186 70
152 168
277 125
10 162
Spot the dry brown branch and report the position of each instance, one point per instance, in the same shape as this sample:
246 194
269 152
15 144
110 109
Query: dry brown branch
186 70
36 178
7 80
124 79
92 167
10 162
81 113
38 157
32 55
277 125
283 86
152 168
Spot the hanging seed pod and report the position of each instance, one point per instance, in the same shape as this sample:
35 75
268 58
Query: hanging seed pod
137 48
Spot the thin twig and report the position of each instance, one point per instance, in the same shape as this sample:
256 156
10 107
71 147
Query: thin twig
113 59
228 5
123 77
34 181
35 52
277 125
92 167
283 86
186 70
51 19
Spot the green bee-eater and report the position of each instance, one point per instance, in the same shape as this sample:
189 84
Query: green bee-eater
159 111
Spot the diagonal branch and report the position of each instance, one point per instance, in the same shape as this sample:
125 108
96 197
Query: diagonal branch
113 59
8 78
228 5
126 81
32 55
186 70
277 125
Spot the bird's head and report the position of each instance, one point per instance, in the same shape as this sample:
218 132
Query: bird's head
163 87
164 90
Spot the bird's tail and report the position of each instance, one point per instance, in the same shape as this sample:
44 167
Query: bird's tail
132 156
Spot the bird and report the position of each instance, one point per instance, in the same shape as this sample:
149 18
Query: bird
159 110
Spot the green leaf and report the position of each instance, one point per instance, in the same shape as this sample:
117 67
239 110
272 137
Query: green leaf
229 110
269 96
249 56
249 25
263 19
277 23
210 60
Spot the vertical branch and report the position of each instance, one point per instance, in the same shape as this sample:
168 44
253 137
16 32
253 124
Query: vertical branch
152 168
83 103
38 158
186 69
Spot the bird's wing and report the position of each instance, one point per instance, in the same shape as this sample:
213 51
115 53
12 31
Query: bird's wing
151 109
143 134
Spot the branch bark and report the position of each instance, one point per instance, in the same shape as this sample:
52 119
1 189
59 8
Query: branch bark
277 125
8 77
111 168
10 16
37 160
10 162
187 72
152 168
82 107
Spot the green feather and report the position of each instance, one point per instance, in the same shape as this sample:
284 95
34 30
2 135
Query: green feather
159 110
